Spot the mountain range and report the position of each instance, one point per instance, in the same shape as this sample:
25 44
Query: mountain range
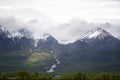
96 51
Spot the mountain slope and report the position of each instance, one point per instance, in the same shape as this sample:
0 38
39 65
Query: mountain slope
13 50
96 51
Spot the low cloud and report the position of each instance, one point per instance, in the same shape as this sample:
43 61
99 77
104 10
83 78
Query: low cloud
64 32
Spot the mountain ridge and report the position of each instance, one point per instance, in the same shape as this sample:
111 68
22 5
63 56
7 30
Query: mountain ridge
93 51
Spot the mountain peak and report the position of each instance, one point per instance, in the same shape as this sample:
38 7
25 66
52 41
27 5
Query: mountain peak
4 32
97 33
45 36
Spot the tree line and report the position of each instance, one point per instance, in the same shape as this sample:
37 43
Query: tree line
25 75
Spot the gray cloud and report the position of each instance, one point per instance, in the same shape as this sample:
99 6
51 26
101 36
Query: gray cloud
75 29
65 32
11 23
56 17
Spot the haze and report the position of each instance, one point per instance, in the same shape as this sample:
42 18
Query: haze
66 20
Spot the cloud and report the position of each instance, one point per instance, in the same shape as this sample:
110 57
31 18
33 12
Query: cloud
66 20
11 23
38 27
65 32
61 10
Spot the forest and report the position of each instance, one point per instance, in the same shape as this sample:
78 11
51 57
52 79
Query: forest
25 75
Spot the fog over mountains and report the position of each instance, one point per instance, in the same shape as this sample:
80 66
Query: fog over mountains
64 32
96 51
60 35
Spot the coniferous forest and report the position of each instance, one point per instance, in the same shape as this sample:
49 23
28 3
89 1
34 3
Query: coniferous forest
25 75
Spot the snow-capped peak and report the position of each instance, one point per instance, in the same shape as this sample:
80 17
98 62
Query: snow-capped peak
98 33
2 28
17 34
94 34
5 32
45 36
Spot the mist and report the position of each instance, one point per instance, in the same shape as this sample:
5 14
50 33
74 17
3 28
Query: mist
64 32
65 20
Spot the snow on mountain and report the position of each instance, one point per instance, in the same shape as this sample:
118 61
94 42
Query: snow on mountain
17 34
36 42
45 36
1 29
5 32
20 33
23 33
97 33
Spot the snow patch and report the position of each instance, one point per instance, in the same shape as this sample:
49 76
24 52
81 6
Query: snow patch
94 34
45 36
36 43
98 33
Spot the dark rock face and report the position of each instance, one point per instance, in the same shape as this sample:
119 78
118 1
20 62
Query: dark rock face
98 49
10 43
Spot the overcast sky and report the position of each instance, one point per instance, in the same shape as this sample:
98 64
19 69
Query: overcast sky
64 19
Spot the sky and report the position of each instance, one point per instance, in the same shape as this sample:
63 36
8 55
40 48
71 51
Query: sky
66 20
